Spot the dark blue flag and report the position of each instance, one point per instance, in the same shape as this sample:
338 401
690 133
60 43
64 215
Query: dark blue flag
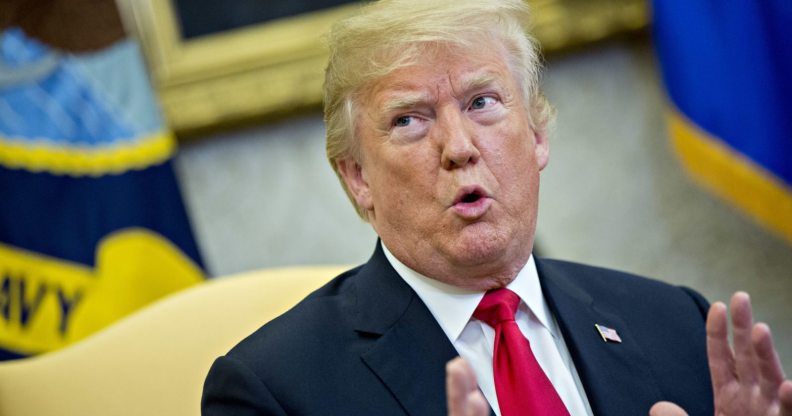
727 66
92 224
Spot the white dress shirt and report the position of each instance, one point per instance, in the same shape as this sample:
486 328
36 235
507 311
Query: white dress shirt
453 309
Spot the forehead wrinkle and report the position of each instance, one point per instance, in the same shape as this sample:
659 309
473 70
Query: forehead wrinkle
404 93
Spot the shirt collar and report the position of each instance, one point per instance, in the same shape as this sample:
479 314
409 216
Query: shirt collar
453 307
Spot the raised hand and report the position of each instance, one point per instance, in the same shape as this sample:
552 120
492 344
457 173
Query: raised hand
747 379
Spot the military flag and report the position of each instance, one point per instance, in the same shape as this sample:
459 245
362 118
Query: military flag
92 224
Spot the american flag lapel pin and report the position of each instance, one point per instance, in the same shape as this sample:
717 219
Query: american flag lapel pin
608 334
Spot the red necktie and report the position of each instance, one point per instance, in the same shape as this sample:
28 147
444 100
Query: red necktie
521 385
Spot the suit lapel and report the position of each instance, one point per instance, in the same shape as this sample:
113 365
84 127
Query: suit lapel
411 350
410 354
616 376
410 359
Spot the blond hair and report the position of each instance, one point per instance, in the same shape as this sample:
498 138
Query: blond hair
391 34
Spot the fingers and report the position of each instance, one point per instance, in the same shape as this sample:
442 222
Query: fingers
750 375
666 409
770 371
772 381
457 386
742 325
785 398
719 353
477 405
464 397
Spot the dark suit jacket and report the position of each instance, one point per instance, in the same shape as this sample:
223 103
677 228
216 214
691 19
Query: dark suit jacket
365 344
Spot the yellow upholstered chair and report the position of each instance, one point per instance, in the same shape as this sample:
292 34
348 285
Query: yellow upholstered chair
154 362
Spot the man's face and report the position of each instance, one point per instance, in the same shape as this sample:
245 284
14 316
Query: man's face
449 173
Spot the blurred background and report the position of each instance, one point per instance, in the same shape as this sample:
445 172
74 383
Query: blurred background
241 95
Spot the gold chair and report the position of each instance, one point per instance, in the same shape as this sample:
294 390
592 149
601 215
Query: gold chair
154 362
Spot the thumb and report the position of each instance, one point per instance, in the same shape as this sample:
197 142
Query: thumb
666 409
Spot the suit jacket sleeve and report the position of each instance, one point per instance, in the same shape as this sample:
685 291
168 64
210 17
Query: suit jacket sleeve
231 388
700 301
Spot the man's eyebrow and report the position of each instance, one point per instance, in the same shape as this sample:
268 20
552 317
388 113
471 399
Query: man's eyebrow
410 100
478 81
404 101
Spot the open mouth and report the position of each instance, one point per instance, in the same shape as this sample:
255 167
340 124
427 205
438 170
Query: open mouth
470 195
472 202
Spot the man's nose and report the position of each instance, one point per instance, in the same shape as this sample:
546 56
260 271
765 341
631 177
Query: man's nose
457 139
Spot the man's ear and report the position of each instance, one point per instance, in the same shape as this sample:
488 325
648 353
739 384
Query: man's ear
352 173
541 148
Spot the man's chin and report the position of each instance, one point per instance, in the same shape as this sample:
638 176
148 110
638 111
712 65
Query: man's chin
487 247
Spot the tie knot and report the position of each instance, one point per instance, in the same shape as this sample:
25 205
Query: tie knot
497 306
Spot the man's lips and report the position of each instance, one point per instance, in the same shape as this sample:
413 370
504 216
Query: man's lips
471 202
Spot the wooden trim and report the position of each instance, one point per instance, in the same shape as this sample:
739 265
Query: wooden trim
276 68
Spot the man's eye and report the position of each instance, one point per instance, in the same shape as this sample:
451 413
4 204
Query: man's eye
480 102
402 121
